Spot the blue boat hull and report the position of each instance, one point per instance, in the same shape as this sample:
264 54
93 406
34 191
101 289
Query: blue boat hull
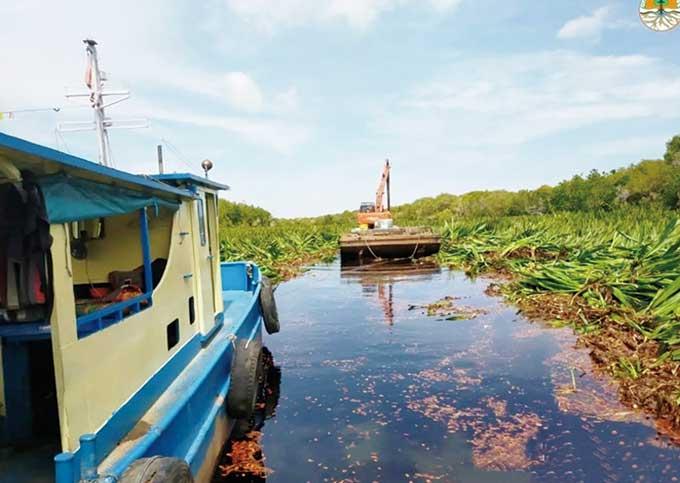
181 411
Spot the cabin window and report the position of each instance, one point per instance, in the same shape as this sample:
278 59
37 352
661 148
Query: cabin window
172 333
192 310
201 222
116 270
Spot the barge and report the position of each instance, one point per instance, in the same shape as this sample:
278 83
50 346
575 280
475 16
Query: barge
127 350
377 238
391 243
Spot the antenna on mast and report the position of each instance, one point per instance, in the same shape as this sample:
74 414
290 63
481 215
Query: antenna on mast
94 80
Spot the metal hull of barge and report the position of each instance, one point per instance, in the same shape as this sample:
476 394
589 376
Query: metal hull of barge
394 243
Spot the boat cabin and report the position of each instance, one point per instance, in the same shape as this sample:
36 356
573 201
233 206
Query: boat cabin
108 283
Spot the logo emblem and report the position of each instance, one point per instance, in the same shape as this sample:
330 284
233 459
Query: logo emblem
660 15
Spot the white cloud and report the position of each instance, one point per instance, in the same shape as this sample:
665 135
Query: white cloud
512 100
286 101
144 56
591 27
269 15
280 135
237 89
243 92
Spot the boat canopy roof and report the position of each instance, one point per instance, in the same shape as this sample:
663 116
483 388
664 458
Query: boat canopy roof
77 189
190 181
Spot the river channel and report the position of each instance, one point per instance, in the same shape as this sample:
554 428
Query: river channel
373 389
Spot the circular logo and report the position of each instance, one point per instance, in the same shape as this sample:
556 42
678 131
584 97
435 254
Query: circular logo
660 15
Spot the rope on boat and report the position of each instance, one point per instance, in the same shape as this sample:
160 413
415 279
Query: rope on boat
415 249
372 252
67 255
232 338
412 257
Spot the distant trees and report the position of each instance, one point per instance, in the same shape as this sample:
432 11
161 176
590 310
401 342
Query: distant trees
673 151
649 182
232 214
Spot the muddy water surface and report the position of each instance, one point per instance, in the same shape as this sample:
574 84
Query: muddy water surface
374 389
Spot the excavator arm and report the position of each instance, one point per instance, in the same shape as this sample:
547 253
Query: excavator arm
378 211
380 193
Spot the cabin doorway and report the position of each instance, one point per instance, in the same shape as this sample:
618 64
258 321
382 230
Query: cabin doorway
29 416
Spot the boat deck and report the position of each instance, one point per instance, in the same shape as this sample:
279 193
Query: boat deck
235 304
34 465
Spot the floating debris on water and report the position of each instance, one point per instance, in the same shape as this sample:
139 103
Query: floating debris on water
418 401
503 446
346 365
246 458
447 309
498 406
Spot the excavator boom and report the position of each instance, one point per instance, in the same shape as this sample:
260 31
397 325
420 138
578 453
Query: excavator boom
380 193
368 217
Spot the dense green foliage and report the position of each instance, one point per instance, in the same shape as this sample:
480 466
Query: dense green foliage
236 214
625 261
648 183
279 250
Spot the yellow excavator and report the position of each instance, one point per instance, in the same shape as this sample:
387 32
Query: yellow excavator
370 213
378 239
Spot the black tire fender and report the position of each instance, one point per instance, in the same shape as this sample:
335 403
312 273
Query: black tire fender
246 378
268 305
158 469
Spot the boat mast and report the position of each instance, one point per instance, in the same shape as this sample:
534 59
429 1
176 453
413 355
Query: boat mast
94 80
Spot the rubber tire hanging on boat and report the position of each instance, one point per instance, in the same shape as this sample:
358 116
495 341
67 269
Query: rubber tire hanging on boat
268 304
267 399
247 375
158 469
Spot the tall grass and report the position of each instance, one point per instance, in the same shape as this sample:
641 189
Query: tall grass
279 250
628 260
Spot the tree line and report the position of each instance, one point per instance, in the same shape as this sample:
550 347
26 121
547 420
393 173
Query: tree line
648 182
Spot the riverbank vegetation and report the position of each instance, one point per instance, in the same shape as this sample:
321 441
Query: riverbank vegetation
613 276
599 252
281 250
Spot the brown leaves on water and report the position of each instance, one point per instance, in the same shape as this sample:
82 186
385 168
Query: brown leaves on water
499 441
246 458
582 390
654 388
346 365
436 409
503 446
498 406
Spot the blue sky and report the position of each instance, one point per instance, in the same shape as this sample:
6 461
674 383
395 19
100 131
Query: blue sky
298 102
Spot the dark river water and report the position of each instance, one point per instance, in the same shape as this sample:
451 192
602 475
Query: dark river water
375 390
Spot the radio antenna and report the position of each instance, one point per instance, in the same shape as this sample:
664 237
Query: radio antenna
94 80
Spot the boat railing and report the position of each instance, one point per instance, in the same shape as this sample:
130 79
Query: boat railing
112 314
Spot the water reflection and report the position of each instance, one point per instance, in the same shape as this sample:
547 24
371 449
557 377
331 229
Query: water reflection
377 280
377 392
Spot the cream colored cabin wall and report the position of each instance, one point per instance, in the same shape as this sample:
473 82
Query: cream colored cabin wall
208 303
62 321
102 371
217 286
121 248
2 387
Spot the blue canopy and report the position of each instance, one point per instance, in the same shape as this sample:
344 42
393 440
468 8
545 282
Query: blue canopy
70 198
